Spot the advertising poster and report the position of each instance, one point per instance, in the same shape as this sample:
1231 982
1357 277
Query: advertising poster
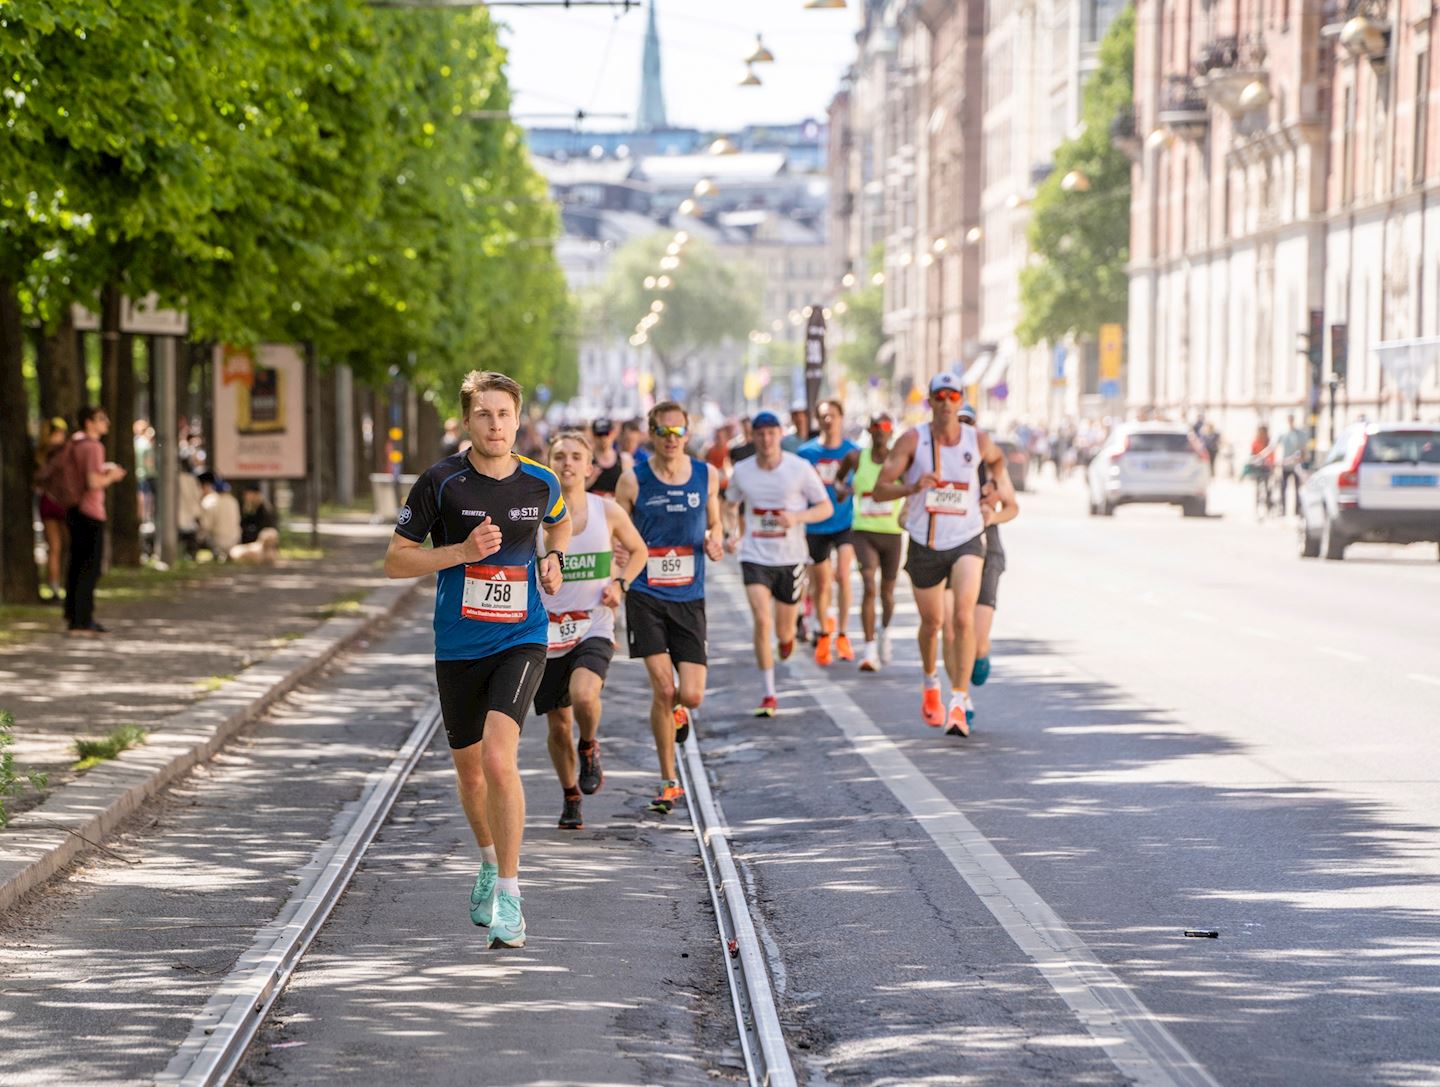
259 413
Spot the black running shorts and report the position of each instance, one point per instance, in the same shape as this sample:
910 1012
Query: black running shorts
928 567
593 654
785 583
880 549
821 544
990 579
504 682
657 626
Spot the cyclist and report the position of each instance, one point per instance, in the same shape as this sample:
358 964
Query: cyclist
582 623
781 493
934 467
674 500
482 510
879 541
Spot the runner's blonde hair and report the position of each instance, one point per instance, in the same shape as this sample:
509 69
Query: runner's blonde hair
484 381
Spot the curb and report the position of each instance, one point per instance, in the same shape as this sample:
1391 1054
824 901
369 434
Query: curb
41 841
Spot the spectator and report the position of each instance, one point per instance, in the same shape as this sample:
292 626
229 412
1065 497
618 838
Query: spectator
1292 452
48 460
145 468
718 454
187 509
89 476
744 446
632 437
219 518
450 443
255 513
800 417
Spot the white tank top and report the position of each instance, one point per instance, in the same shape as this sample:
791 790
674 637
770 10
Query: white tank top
947 516
575 611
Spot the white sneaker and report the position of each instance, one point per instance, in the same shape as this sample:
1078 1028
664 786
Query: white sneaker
870 661
887 651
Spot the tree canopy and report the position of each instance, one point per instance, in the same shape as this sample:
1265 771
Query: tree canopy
861 313
1083 237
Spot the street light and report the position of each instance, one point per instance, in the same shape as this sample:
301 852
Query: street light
669 264
973 235
1075 181
723 146
760 55
847 280
750 79
657 306
664 283
651 283
705 187
687 207
878 279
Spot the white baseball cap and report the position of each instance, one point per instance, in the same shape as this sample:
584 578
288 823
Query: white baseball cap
946 379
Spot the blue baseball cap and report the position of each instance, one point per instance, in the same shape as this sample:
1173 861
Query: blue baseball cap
765 418
967 412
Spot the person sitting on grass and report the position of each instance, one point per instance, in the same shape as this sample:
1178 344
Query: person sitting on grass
219 518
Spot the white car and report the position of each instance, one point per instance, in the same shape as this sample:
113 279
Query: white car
1160 463
1379 484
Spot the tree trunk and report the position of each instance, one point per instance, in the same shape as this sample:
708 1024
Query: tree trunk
326 385
125 503
19 578
430 430
61 366
363 402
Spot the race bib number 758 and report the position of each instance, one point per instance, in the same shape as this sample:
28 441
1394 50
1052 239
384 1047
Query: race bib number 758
496 594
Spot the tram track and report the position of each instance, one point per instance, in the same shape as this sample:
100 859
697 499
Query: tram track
222 1034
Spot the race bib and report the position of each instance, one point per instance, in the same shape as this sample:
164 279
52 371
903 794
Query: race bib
869 507
496 594
828 470
948 497
594 566
568 629
766 524
673 566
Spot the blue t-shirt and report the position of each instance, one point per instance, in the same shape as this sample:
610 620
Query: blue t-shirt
826 460
477 607
673 515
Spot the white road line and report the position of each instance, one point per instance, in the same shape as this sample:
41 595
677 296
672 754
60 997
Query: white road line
1199 616
1256 632
1343 654
1420 677
1138 1043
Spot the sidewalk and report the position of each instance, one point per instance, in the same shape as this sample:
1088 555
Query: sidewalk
172 641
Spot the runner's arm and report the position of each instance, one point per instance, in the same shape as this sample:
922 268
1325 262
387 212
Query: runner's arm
627 490
844 478
714 520
624 533
994 458
887 484
820 508
406 558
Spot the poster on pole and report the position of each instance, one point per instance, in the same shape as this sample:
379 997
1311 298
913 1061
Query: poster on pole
814 357
1112 358
259 413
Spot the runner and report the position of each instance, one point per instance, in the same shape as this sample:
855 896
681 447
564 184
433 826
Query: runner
675 502
835 458
946 523
582 623
994 565
609 462
878 540
782 494
481 510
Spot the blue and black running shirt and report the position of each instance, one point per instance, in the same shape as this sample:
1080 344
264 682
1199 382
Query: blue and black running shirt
492 605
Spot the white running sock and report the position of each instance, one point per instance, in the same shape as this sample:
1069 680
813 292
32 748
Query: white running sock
509 886
769 677
932 681
488 854
869 648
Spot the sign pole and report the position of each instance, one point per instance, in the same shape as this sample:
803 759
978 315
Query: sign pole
167 451
312 410
814 359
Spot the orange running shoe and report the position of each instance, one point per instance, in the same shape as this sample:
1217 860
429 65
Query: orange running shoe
931 708
959 722
843 650
786 648
822 651
682 724
670 794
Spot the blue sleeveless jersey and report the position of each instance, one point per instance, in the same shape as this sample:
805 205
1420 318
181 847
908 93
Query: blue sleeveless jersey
673 515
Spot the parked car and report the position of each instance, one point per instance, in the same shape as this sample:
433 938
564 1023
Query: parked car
1017 461
1379 484
1149 462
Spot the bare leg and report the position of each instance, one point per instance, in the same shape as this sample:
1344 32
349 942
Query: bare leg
760 611
821 573
692 684
984 621
470 781
504 791
844 560
887 601
585 688
786 617
54 546
562 746
967 575
662 711
868 576
931 605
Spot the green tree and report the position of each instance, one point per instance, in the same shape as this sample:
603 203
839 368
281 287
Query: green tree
861 314
1083 237
706 304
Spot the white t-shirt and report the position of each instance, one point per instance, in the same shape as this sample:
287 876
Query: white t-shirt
792 485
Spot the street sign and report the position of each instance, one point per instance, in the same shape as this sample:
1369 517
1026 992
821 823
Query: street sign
1112 351
1057 364
259 412
137 318
814 357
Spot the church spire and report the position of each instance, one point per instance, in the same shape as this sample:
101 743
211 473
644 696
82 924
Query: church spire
652 93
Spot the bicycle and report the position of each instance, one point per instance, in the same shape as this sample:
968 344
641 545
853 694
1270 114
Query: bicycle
1262 472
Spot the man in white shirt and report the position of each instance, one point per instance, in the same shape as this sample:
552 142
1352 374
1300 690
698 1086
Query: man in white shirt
782 493
219 518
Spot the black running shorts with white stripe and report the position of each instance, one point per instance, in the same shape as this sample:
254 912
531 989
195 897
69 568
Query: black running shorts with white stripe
503 682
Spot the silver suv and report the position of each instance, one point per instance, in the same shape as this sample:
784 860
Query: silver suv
1149 462
1379 484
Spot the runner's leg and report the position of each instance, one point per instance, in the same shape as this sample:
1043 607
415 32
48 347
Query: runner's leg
820 575
504 792
585 688
844 560
869 574
470 781
692 684
984 621
966 580
662 711
931 605
760 602
561 743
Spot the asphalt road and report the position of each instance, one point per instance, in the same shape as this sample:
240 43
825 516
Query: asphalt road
1187 727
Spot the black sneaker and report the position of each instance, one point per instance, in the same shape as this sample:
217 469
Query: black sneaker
592 775
570 817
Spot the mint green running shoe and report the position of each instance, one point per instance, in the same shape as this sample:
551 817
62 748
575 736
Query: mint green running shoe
482 898
508 927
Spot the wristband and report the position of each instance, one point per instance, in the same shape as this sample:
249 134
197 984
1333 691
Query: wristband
624 585
556 551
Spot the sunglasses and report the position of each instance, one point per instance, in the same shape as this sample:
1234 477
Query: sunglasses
670 431
886 426
952 396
